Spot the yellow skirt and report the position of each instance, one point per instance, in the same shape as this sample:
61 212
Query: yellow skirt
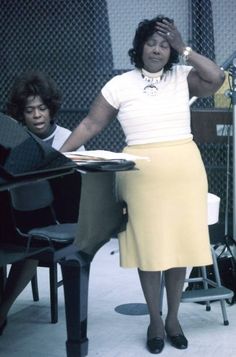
167 208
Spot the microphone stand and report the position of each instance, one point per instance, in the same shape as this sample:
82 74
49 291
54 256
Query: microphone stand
228 175
233 97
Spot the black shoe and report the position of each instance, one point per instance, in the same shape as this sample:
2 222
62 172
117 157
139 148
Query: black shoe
2 328
178 341
155 345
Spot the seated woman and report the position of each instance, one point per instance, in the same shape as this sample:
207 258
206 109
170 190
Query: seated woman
34 100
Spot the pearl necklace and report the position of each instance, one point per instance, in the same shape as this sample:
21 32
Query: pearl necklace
153 79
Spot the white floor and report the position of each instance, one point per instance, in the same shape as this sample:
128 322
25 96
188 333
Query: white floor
30 334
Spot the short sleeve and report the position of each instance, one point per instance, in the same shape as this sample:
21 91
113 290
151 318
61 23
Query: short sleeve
185 69
110 92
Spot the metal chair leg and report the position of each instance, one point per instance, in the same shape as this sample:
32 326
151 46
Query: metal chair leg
34 286
3 278
53 293
205 286
218 281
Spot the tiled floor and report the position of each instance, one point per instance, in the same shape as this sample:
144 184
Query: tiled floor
30 334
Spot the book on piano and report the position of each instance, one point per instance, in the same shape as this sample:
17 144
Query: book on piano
104 160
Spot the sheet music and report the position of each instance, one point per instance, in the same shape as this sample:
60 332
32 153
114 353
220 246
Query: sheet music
102 155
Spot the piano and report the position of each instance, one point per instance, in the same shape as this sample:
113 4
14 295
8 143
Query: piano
24 159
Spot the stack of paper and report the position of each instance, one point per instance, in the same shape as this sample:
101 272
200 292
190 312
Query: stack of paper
98 155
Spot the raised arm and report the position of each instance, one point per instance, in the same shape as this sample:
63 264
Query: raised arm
100 115
206 77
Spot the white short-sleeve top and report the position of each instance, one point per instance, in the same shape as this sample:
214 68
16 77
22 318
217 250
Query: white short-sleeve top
58 137
147 118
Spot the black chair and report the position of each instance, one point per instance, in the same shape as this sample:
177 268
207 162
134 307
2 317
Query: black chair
35 221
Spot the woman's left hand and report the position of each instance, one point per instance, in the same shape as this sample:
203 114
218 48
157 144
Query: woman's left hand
205 77
169 31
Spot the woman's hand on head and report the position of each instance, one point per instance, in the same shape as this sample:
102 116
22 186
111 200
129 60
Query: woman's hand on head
169 31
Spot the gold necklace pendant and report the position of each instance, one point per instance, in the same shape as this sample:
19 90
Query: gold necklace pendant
150 89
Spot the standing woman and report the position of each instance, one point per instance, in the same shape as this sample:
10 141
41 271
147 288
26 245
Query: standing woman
167 196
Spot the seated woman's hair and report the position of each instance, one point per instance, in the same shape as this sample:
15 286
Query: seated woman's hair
33 83
146 28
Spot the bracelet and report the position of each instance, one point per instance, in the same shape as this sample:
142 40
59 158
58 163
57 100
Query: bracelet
186 52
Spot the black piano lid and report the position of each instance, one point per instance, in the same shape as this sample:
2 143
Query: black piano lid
23 154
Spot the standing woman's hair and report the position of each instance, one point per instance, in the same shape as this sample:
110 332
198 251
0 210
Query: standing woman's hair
146 29
33 83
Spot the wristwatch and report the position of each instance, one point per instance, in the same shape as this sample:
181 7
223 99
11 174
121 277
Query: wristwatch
186 52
